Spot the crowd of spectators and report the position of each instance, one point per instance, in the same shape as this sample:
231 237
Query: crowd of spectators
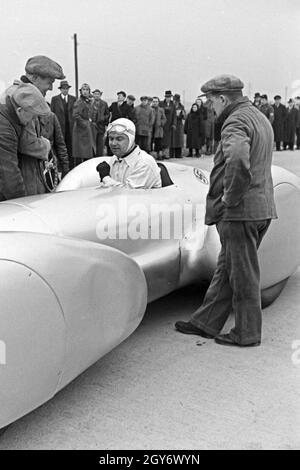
74 129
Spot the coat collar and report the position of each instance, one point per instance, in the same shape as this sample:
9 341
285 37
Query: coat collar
232 107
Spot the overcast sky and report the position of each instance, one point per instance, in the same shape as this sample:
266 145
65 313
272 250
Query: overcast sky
149 46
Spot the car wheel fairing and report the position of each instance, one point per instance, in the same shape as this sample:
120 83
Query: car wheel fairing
33 331
64 304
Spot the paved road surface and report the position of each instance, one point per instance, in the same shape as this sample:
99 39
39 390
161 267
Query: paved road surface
164 390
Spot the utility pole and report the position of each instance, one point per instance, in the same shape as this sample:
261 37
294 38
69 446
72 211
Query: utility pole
285 94
76 64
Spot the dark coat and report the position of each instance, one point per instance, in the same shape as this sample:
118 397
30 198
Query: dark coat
177 133
170 114
144 120
159 120
83 142
64 112
241 186
11 179
122 111
100 115
290 124
52 131
192 129
209 121
278 123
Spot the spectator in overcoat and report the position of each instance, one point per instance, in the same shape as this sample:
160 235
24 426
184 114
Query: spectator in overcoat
170 112
290 125
278 123
159 120
144 122
100 119
121 109
297 107
177 140
192 129
266 108
62 105
83 142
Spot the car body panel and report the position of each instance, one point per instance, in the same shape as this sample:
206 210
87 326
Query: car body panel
85 292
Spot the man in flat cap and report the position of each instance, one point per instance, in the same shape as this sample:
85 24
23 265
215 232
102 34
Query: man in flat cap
62 105
40 71
266 108
25 103
240 202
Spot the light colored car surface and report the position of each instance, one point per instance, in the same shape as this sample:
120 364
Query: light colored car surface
69 296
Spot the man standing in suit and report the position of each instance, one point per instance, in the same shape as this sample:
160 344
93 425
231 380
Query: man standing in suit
62 105
240 202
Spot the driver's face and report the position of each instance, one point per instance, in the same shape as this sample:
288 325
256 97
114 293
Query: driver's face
118 143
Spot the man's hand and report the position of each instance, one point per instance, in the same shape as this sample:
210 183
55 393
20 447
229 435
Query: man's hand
103 169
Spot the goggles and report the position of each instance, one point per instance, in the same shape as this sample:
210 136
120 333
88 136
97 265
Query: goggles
119 128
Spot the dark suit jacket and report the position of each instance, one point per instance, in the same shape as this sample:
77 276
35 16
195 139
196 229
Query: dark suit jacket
57 107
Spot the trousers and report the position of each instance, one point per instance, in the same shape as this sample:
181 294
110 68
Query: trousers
235 286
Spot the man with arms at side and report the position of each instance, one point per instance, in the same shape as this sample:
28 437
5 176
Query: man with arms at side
62 105
240 202
130 166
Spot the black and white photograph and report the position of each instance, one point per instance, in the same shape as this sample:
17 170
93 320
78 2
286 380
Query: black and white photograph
149 228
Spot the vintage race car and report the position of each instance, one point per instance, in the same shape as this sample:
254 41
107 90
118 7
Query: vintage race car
79 265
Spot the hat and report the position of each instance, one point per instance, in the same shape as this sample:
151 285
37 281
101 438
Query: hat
222 83
264 97
122 93
85 85
127 127
44 67
144 98
290 100
177 97
64 84
29 98
168 94
131 97
257 95
277 97
97 91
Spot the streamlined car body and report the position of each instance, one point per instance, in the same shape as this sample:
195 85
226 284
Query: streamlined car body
79 265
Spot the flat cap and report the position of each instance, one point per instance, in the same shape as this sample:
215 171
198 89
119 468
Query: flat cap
222 83
97 91
264 97
121 93
144 97
44 67
131 97
29 98
277 97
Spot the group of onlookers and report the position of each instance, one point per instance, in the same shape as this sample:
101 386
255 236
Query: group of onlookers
284 119
160 124
34 138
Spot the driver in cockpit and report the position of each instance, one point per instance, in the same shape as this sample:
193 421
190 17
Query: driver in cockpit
129 166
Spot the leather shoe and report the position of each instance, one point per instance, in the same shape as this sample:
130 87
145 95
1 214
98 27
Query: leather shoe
189 329
226 340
